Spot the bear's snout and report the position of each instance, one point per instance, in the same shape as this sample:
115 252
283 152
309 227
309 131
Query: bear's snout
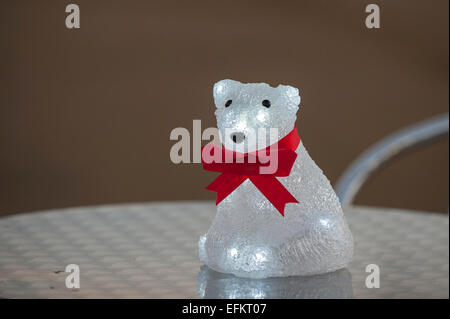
237 137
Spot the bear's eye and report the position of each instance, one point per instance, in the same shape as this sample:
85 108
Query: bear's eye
228 103
266 103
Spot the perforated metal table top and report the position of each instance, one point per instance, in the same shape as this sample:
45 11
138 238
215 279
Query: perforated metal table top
150 251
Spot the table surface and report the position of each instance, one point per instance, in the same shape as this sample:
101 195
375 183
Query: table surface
150 251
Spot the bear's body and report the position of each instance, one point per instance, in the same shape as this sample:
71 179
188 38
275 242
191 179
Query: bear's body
249 237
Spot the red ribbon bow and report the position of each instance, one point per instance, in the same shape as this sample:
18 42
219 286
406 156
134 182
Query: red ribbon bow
249 165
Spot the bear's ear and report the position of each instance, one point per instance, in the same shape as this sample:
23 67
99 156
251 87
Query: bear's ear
224 90
291 93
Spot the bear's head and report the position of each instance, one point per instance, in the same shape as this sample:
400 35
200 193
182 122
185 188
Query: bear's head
251 116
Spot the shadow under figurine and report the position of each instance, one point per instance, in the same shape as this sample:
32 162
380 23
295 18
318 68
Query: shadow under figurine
215 285
287 222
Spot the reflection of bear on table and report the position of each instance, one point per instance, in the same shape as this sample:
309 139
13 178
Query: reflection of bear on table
249 237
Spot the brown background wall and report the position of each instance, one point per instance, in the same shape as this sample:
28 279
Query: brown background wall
85 115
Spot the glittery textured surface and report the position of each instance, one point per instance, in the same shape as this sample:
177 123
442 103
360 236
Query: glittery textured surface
333 285
249 237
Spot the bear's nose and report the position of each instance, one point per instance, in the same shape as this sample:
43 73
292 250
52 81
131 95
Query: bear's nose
237 137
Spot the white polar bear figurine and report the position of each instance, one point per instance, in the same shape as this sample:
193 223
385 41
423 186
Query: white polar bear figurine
249 237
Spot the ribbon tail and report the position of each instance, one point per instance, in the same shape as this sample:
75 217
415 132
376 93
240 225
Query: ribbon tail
225 184
274 191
